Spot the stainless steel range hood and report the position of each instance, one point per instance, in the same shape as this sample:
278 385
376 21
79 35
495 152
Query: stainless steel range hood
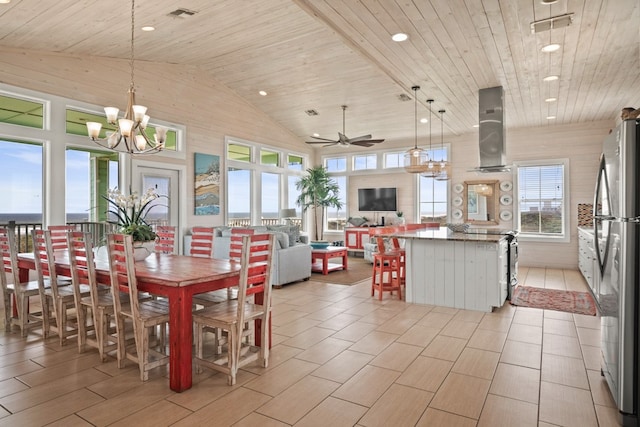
491 120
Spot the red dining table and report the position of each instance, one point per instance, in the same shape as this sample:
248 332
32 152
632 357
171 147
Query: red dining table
178 278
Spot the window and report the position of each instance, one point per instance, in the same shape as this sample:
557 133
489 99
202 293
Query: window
295 162
239 199
364 161
542 199
336 164
89 175
336 219
260 184
239 153
270 202
21 112
268 157
433 200
393 160
21 189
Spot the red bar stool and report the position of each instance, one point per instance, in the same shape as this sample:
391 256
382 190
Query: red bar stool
387 274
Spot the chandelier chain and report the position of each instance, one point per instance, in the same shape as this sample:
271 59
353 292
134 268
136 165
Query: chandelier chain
133 6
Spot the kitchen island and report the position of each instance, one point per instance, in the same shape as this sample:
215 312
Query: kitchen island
459 270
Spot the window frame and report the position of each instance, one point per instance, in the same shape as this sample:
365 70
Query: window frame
565 236
256 168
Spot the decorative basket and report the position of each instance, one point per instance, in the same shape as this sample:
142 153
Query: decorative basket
458 228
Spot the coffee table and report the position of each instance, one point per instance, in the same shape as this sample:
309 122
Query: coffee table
320 259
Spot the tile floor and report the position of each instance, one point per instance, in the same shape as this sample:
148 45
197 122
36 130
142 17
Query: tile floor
341 358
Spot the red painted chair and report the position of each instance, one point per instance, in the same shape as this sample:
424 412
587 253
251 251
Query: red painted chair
166 240
386 264
202 242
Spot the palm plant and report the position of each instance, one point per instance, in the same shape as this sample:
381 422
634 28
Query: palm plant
318 191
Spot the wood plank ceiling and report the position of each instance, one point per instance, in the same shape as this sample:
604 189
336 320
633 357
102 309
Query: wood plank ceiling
321 54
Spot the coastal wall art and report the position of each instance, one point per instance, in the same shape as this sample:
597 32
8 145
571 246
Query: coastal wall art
207 184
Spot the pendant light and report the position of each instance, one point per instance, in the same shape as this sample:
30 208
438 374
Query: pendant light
415 160
445 166
433 169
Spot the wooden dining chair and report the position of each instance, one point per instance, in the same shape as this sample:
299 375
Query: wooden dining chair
166 239
98 306
235 252
145 315
59 236
13 289
202 242
58 302
387 264
231 316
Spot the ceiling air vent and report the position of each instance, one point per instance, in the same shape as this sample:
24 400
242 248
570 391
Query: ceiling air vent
311 112
182 13
552 23
404 97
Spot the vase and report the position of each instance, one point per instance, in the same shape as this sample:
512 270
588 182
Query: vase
141 250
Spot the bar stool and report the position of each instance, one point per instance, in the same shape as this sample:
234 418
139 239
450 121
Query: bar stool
386 265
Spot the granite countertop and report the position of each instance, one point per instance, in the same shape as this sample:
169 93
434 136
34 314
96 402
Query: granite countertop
443 233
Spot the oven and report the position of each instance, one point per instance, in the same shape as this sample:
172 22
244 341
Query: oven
512 270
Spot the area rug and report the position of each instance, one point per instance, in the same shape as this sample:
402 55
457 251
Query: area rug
358 269
554 299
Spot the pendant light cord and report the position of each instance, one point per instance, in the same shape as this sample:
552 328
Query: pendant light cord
415 116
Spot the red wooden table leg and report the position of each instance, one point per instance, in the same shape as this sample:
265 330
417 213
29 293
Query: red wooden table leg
180 337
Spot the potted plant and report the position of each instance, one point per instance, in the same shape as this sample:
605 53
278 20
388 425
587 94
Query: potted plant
130 215
318 191
400 216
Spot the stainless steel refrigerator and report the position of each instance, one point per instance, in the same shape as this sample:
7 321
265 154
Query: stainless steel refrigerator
616 227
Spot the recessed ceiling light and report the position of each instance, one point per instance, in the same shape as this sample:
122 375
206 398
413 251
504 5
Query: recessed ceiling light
550 78
476 126
263 93
551 47
5 1
148 28
551 99
316 134
399 37
551 117
424 120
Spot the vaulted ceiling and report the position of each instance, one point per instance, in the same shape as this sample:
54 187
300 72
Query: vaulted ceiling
321 54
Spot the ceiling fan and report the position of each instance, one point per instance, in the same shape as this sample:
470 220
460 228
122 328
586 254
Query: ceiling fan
362 141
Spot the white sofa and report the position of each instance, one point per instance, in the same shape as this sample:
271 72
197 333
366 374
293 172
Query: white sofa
292 260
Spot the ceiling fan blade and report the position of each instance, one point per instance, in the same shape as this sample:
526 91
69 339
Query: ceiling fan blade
360 138
362 144
321 142
334 143
323 139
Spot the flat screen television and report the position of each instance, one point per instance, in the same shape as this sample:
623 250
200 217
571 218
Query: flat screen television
377 199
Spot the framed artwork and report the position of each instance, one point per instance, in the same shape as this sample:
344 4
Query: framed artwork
207 184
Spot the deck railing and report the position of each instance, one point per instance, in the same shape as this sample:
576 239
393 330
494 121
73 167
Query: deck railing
246 222
22 231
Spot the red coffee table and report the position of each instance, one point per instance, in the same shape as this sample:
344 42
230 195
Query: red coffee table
320 259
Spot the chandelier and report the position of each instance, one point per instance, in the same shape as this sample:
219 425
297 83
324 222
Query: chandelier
444 166
432 169
415 160
130 130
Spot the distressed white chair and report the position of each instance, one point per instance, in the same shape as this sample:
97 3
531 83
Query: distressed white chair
232 315
145 315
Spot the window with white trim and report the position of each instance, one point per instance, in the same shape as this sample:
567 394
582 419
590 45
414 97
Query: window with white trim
542 199
365 162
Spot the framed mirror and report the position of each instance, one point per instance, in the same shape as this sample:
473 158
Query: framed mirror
481 202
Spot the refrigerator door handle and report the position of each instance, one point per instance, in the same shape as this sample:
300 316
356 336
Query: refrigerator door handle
602 176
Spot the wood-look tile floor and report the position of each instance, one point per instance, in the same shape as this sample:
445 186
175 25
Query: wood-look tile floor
342 358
